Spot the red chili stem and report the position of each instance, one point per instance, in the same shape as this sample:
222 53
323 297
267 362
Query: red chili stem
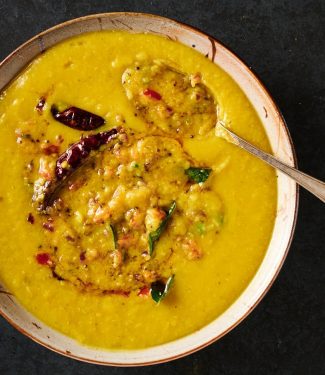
77 118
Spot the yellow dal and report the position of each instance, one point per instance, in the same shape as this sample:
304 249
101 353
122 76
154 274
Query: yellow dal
86 71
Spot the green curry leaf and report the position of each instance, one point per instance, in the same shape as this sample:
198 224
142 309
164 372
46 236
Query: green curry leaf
198 174
154 236
159 289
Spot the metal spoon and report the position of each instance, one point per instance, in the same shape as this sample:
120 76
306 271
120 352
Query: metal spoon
311 184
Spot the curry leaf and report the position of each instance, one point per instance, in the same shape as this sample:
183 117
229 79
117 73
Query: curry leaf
154 236
159 289
77 118
198 174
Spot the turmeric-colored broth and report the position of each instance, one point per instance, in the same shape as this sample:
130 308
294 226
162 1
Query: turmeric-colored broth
83 263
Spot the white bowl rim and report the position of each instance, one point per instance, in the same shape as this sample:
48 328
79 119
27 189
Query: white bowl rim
291 153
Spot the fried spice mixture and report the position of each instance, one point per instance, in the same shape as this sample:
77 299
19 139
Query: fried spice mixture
117 206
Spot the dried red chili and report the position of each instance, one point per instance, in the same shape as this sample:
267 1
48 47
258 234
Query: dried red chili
77 118
68 162
73 156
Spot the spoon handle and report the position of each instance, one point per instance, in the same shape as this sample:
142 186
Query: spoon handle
311 184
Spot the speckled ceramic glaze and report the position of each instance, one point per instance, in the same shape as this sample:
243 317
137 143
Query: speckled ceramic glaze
287 190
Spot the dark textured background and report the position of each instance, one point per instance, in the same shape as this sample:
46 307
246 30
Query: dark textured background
284 43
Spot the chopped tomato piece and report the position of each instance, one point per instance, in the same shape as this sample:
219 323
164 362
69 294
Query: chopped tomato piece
152 94
44 259
144 291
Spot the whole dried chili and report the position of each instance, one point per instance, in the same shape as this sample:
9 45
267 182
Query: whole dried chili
73 156
68 162
77 118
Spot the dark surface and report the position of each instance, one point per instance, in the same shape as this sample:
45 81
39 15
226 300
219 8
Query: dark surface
284 43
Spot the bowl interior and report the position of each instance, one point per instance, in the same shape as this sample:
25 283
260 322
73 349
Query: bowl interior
287 190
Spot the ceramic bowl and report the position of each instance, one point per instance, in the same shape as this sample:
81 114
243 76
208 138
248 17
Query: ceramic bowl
287 190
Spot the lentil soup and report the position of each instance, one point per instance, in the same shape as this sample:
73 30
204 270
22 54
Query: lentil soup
126 223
